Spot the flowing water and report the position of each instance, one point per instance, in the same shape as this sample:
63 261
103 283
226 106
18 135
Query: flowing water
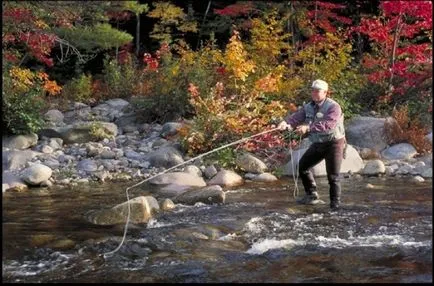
382 234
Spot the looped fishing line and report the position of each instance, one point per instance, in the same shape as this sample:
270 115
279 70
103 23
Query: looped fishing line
295 166
174 167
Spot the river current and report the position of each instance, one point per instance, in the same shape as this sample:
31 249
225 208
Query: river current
381 234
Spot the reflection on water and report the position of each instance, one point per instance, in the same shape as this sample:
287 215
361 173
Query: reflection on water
382 234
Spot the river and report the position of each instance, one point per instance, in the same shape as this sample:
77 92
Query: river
381 234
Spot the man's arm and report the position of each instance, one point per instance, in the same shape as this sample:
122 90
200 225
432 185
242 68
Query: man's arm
296 118
328 121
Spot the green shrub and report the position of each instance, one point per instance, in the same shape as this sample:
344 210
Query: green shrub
21 111
78 89
121 79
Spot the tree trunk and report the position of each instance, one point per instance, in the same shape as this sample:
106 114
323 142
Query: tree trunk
201 26
137 35
392 57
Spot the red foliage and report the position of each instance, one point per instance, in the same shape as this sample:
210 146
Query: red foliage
18 15
40 45
152 63
235 10
119 15
412 60
322 16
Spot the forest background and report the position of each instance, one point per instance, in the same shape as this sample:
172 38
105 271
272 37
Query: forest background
228 69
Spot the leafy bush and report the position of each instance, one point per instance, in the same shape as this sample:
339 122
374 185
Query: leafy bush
22 101
409 130
78 89
120 78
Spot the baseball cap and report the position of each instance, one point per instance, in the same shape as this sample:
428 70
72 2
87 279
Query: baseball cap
320 84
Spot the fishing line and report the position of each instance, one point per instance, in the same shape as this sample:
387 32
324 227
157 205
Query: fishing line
295 166
174 167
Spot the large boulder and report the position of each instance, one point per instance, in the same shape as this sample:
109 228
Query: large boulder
207 195
352 163
20 142
89 131
170 129
374 167
142 208
250 163
87 165
165 157
54 115
11 181
399 152
117 103
15 160
36 174
178 178
368 132
226 178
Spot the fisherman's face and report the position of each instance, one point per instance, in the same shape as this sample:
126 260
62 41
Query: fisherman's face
318 95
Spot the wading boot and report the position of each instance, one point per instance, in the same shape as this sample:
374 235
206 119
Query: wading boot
309 199
335 200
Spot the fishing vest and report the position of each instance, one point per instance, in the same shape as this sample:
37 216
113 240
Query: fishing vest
325 136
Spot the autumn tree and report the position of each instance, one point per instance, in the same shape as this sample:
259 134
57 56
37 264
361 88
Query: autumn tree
401 60
172 22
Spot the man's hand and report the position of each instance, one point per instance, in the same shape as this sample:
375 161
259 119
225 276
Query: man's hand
284 126
302 129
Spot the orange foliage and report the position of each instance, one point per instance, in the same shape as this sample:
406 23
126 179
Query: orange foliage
407 130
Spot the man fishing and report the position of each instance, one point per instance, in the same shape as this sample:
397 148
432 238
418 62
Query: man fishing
323 121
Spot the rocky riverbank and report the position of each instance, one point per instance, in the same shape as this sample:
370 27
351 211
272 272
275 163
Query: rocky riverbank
109 143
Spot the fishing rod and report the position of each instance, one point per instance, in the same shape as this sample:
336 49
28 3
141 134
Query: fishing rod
177 166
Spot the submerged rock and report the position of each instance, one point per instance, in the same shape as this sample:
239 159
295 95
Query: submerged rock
142 209
207 195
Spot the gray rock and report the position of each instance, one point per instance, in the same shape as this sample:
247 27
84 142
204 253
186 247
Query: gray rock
117 103
210 171
159 142
226 178
130 154
107 154
46 149
399 151
265 177
142 208
55 143
87 165
427 173
13 181
250 163
52 163
367 132
418 179
404 170
207 195
167 205
352 163
178 178
14 160
85 132
20 142
194 170
54 115
36 174
165 157
170 129
374 167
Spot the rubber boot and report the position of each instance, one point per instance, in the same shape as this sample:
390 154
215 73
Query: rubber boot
335 200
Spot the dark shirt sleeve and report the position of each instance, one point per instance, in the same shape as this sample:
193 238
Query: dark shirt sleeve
296 118
328 121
